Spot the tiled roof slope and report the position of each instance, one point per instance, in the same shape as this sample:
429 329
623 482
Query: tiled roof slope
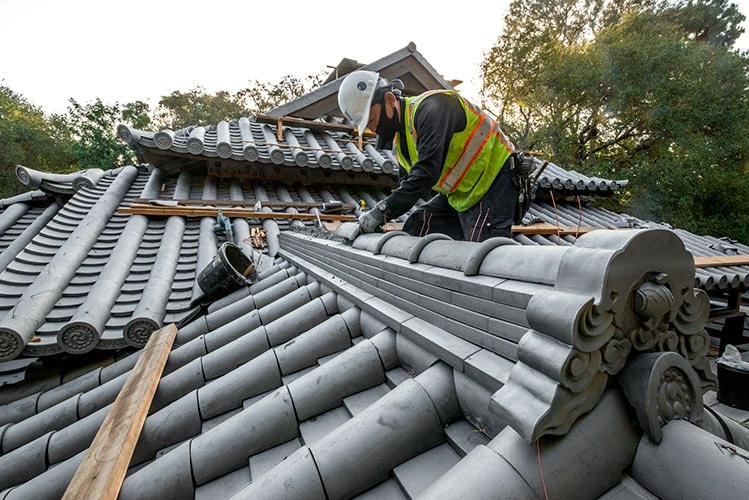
108 279
62 254
245 147
245 140
405 367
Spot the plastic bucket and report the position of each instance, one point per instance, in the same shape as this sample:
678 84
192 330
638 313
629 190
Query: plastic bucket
732 387
230 270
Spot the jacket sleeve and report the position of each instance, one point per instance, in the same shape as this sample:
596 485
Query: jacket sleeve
437 118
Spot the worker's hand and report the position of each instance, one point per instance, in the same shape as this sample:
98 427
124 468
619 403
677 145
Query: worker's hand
370 221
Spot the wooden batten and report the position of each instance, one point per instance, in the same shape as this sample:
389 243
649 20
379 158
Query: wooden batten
103 469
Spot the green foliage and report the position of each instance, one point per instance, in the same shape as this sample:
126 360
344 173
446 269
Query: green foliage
89 131
713 21
26 138
85 135
266 96
197 107
631 89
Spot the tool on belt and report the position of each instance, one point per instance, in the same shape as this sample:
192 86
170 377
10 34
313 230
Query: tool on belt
527 179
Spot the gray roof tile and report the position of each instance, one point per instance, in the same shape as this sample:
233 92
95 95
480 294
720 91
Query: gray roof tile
317 427
387 490
262 462
361 400
464 437
224 486
418 473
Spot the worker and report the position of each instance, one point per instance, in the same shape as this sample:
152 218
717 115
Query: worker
445 144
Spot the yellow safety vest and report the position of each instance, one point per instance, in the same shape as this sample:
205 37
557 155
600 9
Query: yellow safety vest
474 157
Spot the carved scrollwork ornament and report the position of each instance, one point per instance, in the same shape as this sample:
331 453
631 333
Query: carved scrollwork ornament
668 340
23 175
596 323
579 369
614 355
694 347
653 301
643 338
693 314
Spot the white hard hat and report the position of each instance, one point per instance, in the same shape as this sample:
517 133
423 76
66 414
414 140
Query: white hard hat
355 96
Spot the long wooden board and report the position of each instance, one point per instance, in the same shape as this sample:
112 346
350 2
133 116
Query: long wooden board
224 203
722 260
100 475
186 211
546 228
291 121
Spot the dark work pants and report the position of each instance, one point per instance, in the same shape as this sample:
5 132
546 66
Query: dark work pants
491 216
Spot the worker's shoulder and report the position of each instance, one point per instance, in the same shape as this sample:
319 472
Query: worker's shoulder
447 96
440 102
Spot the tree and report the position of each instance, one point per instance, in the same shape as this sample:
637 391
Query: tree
26 138
89 131
713 21
197 107
668 114
85 135
266 96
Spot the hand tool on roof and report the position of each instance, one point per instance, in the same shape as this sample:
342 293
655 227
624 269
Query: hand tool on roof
528 184
223 226
333 207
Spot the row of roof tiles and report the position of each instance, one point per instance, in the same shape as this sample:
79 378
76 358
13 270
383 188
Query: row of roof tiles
245 140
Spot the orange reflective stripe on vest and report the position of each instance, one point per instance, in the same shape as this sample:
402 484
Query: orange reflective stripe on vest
475 155
471 150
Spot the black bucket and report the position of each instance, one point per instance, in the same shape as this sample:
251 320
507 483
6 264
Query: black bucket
733 387
230 270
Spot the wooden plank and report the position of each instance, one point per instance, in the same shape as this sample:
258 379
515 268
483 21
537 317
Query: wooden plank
224 203
103 469
721 260
185 211
331 226
546 228
291 121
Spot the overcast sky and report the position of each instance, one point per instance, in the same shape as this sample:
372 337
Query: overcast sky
51 50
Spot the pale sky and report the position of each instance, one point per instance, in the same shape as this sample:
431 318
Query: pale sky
51 50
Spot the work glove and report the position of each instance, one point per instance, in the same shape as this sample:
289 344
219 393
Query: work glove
370 221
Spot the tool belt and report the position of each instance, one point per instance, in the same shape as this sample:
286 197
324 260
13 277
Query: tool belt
523 167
